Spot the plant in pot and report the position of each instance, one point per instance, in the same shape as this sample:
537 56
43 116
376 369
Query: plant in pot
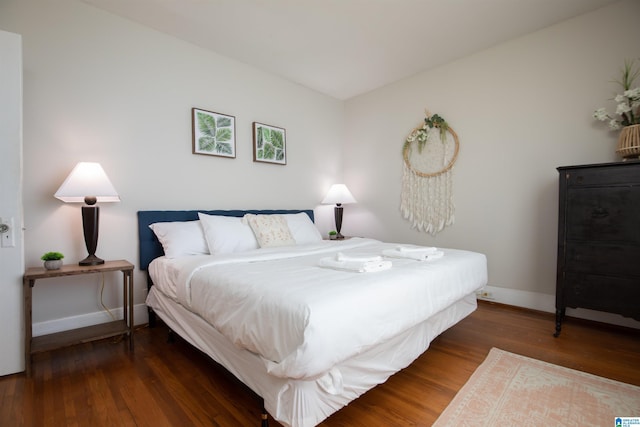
333 235
52 260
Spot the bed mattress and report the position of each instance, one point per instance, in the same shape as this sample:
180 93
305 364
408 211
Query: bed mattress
283 306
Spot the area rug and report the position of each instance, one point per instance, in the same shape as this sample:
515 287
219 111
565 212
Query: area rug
512 390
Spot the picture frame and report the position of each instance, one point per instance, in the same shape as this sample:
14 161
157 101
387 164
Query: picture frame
214 134
269 144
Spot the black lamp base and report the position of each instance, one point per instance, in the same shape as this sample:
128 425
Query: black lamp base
337 211
90 221
91 260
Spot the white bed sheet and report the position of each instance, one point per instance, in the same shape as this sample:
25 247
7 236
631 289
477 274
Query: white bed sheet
306 403
281 305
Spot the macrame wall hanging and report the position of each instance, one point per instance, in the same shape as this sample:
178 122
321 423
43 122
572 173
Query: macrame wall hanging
429 153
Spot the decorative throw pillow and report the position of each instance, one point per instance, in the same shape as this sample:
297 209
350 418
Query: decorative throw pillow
227 234
180 238
270 230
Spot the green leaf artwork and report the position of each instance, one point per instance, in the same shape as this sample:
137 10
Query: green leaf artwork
266 134
224 121
259 140
213 133
223 134
269 152
225 148
276 139
269 144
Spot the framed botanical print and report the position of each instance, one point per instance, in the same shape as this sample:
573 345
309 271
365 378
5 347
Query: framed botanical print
214 134
269 144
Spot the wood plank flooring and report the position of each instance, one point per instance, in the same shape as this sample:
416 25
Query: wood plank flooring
172 384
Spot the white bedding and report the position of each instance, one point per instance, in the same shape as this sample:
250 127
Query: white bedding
301 319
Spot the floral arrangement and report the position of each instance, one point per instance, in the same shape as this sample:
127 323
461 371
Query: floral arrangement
421 134
628 109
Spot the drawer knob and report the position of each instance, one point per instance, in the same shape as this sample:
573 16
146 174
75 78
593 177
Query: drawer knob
599 213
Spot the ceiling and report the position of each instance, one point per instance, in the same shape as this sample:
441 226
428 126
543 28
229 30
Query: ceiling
344 48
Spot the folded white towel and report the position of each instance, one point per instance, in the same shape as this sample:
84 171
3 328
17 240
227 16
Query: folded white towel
412 248
357 258
356 266
417 255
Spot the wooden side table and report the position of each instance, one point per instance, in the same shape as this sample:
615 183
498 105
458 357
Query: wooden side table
57 340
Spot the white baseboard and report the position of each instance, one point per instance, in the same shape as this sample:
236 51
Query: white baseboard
140 316
547 303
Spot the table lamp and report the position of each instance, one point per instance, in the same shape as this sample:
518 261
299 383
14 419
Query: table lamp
88 183
338 194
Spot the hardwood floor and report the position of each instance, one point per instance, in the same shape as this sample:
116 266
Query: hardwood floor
172 384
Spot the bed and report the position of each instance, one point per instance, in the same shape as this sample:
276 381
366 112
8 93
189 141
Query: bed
308 324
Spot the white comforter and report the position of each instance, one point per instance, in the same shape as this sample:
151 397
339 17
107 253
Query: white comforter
303 319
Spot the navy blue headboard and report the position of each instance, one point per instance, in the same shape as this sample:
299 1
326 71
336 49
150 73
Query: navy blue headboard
150 247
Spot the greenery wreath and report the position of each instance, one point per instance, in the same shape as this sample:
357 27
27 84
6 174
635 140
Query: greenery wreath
420 135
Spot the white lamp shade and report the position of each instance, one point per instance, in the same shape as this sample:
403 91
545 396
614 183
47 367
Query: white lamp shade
338 194
87 179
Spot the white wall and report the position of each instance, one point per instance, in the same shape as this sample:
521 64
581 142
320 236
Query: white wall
101 88
521 109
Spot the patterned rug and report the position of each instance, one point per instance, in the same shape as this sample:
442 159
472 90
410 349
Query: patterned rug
512 390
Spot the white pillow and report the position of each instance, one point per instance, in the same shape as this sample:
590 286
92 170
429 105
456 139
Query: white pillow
227 234
180 238
270 230
302 228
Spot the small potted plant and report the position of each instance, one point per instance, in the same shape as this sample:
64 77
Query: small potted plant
52 260
333 235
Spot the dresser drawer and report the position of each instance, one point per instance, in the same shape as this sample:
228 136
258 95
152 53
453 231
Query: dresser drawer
606 214
607 175
603 293
608 260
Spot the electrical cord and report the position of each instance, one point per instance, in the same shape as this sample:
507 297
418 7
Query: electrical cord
102 301
113 317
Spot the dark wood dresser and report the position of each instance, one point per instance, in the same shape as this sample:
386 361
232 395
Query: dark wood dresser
599 239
